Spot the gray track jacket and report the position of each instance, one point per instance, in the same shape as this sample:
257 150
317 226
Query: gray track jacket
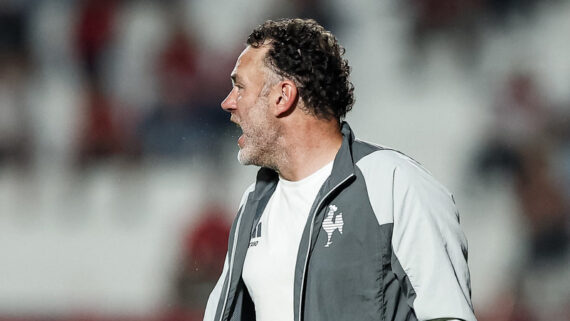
382 242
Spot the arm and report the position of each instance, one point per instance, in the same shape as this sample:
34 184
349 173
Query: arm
429 246
214 298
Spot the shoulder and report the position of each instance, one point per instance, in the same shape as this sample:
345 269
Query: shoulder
246 193
384 164
241 206
369 156
378 162
393 179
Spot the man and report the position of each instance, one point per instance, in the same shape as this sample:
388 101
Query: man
333 228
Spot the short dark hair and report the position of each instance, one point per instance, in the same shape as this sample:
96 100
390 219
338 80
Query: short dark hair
304 51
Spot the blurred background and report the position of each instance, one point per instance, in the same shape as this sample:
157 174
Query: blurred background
118 170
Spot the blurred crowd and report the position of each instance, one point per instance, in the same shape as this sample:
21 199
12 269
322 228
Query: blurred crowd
181 116
462 23
139 97
528 146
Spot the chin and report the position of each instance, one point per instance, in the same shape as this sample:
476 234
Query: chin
242 158
246 157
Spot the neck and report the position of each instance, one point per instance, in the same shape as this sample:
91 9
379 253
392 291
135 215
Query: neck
308 146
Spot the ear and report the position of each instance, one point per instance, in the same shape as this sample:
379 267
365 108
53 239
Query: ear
286 97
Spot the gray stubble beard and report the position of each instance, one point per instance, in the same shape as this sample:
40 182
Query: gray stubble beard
265 149
266 154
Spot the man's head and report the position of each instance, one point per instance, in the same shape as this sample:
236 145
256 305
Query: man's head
303 51
288 64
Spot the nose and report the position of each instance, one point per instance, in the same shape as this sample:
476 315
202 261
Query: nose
229 103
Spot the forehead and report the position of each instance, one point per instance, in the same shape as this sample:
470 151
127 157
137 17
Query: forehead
251 60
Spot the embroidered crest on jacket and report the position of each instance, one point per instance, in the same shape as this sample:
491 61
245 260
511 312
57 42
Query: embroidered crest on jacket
331 223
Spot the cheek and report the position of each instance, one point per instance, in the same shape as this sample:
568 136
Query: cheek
246 106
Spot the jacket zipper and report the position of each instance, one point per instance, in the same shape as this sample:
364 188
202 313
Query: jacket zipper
310 240
230 268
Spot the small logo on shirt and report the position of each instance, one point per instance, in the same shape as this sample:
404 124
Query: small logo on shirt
331 223
255 235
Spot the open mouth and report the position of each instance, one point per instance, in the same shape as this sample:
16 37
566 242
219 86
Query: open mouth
241 138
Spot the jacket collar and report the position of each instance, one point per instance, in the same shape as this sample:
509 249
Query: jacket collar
265 182
343 166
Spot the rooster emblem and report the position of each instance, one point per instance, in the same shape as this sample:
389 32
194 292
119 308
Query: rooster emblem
331 223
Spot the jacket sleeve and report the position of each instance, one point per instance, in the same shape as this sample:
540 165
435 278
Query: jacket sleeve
216 294
429 247
214 297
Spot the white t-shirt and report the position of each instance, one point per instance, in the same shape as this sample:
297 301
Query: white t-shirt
269 267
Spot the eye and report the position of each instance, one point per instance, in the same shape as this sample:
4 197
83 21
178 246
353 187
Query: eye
239 87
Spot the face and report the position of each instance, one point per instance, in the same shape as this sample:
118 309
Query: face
249 105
